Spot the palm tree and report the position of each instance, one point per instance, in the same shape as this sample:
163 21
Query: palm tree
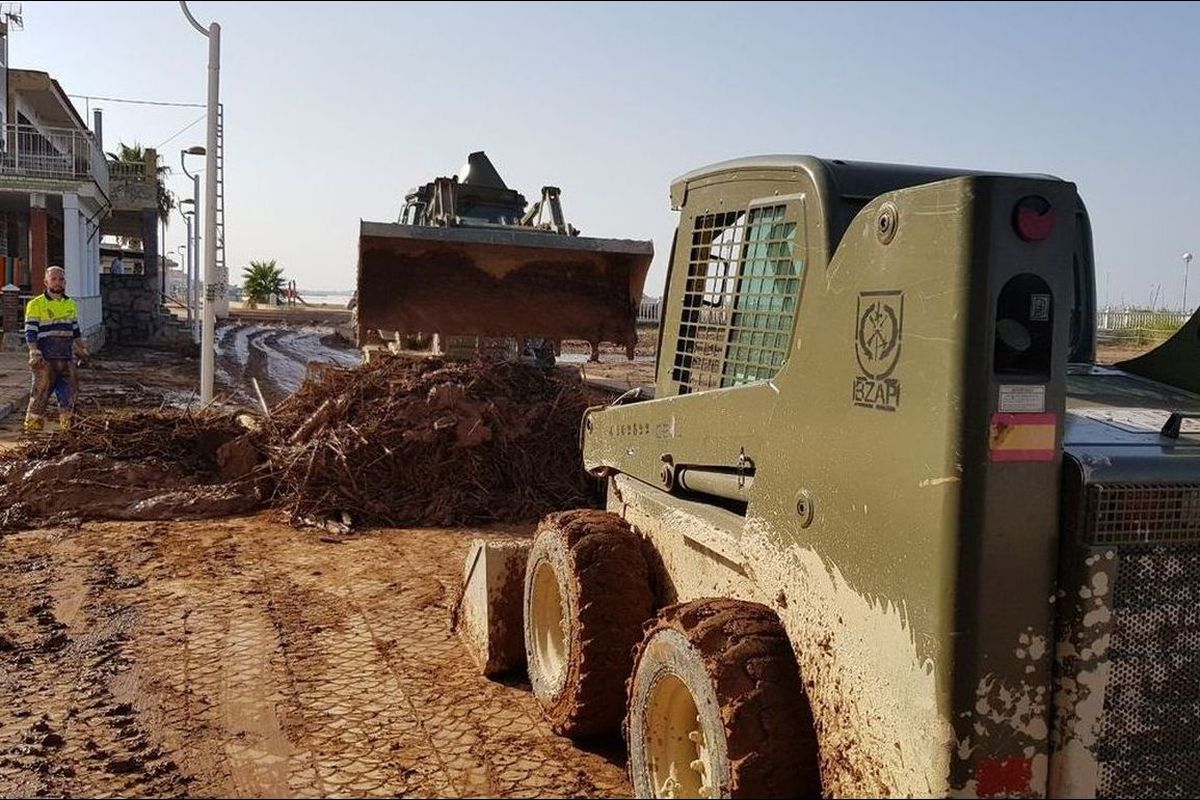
136 154
260 280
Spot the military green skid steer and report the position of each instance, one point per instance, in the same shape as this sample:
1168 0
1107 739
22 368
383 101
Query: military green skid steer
884 528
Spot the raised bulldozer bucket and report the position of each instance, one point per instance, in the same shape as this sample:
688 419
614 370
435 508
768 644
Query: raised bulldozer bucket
499 281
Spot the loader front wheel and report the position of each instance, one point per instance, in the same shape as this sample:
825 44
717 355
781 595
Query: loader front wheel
587 593
717 709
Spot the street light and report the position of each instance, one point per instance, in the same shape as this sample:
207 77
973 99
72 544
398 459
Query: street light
1187 261
180 250
187 210
208 337
194 279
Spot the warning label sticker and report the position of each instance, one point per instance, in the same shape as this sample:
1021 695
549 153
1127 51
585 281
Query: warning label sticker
1016 399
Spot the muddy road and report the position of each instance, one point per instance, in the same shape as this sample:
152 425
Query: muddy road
277 356
242 658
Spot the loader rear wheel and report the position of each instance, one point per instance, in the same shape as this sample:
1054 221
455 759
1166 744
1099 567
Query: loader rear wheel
587 593
717 709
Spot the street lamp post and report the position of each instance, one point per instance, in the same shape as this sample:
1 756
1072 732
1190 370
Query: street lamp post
194 295
1187 261
181 253
188 216
208 330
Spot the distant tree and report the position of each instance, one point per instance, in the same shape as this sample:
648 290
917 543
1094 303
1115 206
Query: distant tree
260 280
136 154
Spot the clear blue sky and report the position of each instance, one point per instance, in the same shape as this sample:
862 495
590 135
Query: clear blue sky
333 110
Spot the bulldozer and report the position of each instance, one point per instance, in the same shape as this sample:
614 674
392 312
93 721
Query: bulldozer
883 527
469 266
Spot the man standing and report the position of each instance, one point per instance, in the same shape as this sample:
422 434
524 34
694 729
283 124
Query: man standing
52 333
118 266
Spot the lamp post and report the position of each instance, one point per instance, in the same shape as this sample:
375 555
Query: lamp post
1187 261
180 261
208 331
180 252
193 257
194 297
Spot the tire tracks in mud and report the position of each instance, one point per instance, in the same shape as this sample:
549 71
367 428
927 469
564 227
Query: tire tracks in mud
69 725
277 356
243 658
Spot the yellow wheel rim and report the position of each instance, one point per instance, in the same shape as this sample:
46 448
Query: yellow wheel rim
550 641
677 753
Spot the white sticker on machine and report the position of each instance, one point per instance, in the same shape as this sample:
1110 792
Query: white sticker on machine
1016 398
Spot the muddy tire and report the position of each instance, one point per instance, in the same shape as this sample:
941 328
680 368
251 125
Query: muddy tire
717 709
587 595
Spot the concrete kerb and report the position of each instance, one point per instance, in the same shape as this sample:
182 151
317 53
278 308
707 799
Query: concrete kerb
12 404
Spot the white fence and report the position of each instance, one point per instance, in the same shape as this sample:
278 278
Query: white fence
1110 319
1136 326
650 310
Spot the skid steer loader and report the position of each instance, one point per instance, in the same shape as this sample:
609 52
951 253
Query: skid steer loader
469 264
885 528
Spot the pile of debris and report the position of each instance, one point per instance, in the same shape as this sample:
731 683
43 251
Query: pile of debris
166 464
392 443
406 442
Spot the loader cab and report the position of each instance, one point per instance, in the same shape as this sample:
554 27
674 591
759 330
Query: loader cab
413 212
750 233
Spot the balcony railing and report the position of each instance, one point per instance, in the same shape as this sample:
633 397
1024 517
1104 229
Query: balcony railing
54 153
128 170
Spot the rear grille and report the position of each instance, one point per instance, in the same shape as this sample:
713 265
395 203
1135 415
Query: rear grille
1143 513
1150 737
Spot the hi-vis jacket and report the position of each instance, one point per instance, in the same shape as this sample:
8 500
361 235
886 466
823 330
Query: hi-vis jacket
53 324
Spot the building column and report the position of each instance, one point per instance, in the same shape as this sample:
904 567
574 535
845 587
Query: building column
18 252
73 245
5 252
94 256
10 310
150 243
39 244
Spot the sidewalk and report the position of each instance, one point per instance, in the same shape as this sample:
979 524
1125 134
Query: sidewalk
14 380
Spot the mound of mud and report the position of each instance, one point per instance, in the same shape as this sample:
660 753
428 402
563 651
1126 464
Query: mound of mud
393 443
406 442
144 465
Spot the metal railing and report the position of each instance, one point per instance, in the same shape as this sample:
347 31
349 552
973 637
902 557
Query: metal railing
1109 319
55 153
650 310
127 170
1124 325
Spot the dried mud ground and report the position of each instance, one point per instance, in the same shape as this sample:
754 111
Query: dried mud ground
240 657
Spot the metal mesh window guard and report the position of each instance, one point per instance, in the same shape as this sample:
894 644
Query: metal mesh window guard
739 302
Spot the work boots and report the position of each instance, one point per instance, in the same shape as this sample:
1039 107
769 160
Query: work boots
64 420
34 422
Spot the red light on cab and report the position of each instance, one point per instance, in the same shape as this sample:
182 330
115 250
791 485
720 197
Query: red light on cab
1033 218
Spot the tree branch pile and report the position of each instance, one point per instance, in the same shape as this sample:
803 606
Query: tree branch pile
427 442
393 443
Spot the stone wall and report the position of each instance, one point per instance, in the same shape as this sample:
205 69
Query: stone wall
133 314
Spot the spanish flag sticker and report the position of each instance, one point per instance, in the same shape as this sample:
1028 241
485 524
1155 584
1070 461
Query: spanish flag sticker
1023 437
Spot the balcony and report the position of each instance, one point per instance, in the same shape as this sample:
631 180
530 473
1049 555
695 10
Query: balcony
53 154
